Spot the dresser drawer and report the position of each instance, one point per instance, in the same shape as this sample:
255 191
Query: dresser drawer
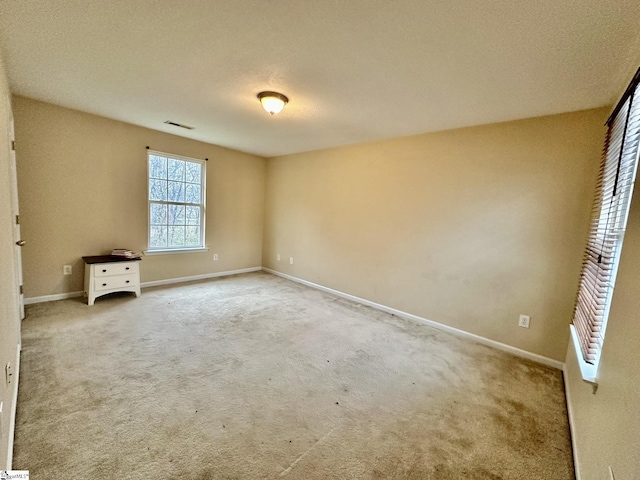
118 281
121 268
105 274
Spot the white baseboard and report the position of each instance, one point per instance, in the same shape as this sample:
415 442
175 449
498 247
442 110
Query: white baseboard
14 409
409 316
155 283
571 415
169 281
51 298
550 362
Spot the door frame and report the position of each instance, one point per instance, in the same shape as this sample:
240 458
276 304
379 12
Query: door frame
17 237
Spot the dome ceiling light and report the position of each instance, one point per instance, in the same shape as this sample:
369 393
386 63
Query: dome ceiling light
272 102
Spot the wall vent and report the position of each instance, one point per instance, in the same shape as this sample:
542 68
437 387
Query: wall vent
169 122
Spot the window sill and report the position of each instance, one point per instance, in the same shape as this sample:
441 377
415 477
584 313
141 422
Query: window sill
172 251
589 372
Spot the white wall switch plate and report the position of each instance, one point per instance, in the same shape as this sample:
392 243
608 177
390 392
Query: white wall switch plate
66 270
278 257
215 257
524 321
291 260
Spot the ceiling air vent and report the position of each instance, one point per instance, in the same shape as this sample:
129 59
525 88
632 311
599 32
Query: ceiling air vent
169 122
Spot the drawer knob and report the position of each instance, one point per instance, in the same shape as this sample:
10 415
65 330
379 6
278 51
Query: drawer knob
104 269
127 268
104 284
127 281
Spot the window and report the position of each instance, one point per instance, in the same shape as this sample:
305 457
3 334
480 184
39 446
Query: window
176 202
608 222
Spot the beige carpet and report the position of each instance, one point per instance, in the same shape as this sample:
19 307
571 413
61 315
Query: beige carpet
254 376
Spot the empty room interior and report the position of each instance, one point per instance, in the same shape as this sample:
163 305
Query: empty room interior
311 240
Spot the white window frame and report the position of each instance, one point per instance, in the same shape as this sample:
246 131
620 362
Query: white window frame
203 207
621 205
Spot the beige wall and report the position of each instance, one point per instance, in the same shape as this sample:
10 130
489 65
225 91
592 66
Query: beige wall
83 180
8 300
468 227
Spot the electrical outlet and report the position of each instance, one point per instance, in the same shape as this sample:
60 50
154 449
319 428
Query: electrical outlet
66 270
291 260
8 371
215 257
278 257
524 321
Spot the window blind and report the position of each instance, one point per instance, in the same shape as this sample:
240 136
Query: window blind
608 222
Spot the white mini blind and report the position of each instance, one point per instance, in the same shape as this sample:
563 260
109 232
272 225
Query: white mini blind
608 222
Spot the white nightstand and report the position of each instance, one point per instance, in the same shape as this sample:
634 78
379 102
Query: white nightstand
107 274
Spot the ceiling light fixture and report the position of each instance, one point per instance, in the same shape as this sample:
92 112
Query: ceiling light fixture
272 102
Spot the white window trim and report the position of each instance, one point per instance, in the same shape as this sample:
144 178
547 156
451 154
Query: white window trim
170 251
589 372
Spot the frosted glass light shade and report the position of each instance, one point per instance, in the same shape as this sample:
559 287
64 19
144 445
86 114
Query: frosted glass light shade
272 102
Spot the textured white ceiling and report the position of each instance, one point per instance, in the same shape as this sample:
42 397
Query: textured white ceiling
354 70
